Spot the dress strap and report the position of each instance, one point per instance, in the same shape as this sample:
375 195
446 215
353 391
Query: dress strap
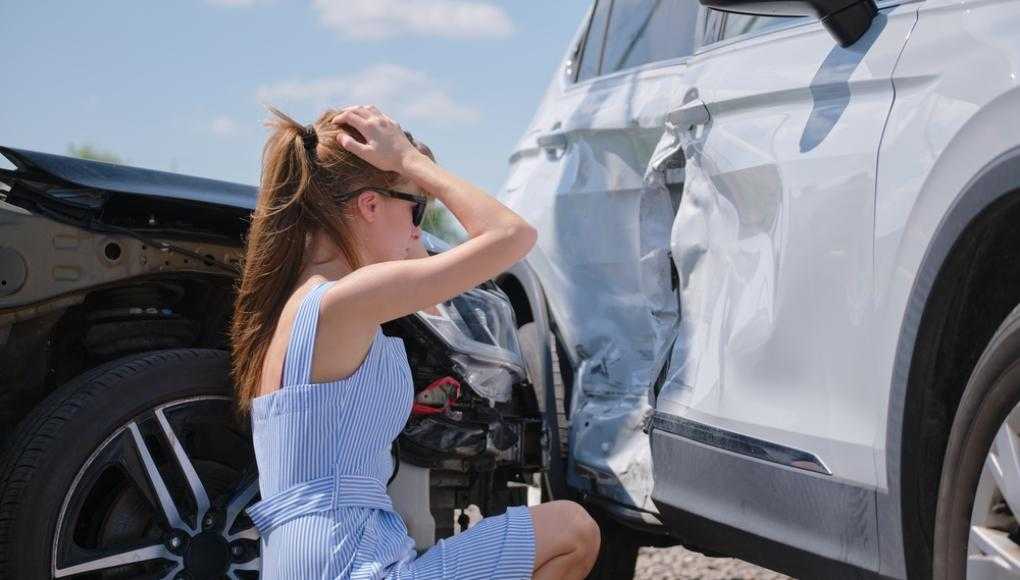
297 365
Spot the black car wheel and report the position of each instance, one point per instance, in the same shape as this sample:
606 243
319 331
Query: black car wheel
976 526
136 469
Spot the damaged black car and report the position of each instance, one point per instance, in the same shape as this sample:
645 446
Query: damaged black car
121 453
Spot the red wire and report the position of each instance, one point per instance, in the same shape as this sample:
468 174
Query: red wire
423 409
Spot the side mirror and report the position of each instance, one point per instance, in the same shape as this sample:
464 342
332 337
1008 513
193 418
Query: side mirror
846 20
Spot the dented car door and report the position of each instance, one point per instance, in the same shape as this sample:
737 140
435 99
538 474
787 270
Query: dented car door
773 243
603 247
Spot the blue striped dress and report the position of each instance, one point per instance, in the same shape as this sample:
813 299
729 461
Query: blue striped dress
323 454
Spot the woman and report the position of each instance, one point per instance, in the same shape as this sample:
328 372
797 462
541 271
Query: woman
327 261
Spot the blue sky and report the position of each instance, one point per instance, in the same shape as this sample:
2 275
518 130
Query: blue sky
177 85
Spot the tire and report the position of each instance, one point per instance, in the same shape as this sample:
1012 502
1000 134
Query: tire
561 386
969 496
531 347
534 348
618 552
79 481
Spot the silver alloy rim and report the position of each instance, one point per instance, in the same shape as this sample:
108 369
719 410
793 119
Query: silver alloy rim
182 531
992 550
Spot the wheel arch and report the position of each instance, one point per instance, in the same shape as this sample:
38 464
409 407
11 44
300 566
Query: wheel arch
49 346
964 287
522 286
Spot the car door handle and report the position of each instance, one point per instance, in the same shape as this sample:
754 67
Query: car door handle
552 141
689 115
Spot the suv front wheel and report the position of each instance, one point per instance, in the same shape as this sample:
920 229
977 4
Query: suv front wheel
976 526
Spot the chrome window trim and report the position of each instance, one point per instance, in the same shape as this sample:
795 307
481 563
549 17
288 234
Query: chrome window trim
577 49
634 71
584 41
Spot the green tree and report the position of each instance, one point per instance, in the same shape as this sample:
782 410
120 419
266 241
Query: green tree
440 222
87 151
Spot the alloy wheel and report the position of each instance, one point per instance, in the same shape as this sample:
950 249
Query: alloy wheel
163 497
993 549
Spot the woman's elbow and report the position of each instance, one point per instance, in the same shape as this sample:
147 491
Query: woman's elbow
524 235
516 240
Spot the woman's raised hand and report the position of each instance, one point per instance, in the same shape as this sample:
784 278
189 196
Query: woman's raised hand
386 147
385 291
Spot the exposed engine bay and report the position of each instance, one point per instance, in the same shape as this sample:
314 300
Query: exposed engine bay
475 424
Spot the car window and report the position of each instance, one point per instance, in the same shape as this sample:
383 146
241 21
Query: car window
709 26
591 53
737 24
644 31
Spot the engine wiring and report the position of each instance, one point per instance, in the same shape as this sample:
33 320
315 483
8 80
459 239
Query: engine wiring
446 390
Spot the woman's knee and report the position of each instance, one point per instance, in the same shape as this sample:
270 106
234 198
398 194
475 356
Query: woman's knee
587 532
566 538
580 529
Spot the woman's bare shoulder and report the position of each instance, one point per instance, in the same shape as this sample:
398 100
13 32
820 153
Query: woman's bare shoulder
343 336
364 298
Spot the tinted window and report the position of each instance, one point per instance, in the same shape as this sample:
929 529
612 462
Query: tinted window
592 50
709 27
737 24
643 31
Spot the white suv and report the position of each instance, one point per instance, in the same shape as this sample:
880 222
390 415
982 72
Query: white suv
781 255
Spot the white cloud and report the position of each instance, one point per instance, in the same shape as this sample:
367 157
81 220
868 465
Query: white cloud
398 91
375 19
224 126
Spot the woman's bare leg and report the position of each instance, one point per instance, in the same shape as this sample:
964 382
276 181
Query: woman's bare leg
566 540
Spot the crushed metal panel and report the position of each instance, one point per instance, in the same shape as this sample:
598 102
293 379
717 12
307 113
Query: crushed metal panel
604 218
724 252
774 242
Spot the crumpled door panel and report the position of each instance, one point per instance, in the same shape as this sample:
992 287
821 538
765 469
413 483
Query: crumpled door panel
774 240
603 259
625 311
725 250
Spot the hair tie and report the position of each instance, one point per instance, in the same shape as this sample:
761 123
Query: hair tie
309 137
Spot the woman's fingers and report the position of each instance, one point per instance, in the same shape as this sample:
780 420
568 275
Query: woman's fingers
354 120
342 116
345 139
362 111
369 113
351 144
348 112
385 145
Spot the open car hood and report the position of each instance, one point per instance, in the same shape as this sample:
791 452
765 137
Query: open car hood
110 177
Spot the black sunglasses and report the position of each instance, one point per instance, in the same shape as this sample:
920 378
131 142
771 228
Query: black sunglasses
420 201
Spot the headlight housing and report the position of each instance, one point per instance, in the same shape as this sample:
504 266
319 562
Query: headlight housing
480 328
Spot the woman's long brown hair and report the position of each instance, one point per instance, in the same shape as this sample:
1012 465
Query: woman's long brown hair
298 196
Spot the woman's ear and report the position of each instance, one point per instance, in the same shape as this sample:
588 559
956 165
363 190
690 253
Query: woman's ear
368 205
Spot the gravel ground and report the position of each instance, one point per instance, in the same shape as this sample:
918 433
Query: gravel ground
677 563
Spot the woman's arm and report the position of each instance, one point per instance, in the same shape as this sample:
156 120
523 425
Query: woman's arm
418 250
384 291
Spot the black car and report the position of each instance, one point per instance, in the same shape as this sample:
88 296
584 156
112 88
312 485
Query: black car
122 455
